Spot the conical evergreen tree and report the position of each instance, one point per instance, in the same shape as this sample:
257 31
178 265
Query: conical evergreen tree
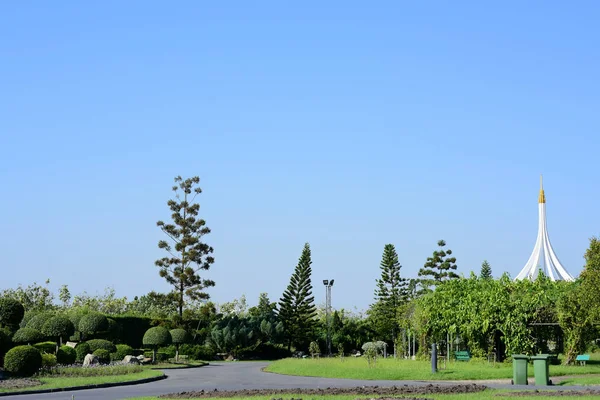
486 270
390 294
297 309
439 267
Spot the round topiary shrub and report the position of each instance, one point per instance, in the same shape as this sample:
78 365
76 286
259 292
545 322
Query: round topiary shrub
178 337
93 323
37 321
5 341
46 347
48 360
11 312
155 337
66 355
96 344
27 335
58 327
82 350
122 351
23 360
27 316
103 356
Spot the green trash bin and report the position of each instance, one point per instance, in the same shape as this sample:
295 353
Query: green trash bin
541 369
520 362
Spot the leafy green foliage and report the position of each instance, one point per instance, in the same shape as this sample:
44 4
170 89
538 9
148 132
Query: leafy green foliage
38 320
297 310
486 270
314 349
103 356
96 344
188 254
46 347
122 351
439 267
48 360
33 297
23 361
157 336
58 327
27 335
92 323
179 336
82 349
197 352
66 355
11 312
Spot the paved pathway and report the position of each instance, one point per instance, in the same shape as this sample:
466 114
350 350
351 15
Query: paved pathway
228 376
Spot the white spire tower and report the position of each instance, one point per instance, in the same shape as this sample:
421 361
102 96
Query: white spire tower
543 256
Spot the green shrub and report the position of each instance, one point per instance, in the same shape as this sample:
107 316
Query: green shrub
82 350
122 351
179 336
103 356
66 355
93 323
27 335
58 327
5 341
131 329
48 360
27 317
23 360
157 336
103 344
11 312
160 356
170 351
46 347
197 352
37 321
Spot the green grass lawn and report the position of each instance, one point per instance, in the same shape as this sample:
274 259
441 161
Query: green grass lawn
190 364
488 394
390 369
62 382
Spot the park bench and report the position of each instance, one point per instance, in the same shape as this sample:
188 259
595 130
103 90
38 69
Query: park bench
582 358
462 356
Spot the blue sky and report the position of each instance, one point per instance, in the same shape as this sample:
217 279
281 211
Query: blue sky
335 123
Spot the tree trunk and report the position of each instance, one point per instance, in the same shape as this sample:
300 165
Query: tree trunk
154 355
181 300
177 353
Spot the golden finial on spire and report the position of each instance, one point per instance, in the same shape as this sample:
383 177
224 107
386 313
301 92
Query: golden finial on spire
542 198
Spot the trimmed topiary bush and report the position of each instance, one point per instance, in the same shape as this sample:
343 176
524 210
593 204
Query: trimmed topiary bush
58 327
103 356
178 337
5 341
66 355
11 312
23 360
96 344
197 352
28 336
27 316
37 321
93 323
82 350
155 337
48 360
46 347
122 351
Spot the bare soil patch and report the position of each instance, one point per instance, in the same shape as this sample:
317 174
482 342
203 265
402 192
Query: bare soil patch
14 383
379 392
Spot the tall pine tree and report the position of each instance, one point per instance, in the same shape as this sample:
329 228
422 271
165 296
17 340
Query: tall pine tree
486 270
390 294
297 309
439 267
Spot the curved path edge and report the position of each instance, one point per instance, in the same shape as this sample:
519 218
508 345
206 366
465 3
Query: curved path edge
84 387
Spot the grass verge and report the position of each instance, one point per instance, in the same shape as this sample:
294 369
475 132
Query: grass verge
63 382
390 369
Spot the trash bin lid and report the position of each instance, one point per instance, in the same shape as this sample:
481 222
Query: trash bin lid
520 357
541 357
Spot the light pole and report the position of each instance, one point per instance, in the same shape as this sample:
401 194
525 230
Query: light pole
328 284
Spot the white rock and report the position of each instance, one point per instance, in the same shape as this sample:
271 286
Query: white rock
131 360
90 359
